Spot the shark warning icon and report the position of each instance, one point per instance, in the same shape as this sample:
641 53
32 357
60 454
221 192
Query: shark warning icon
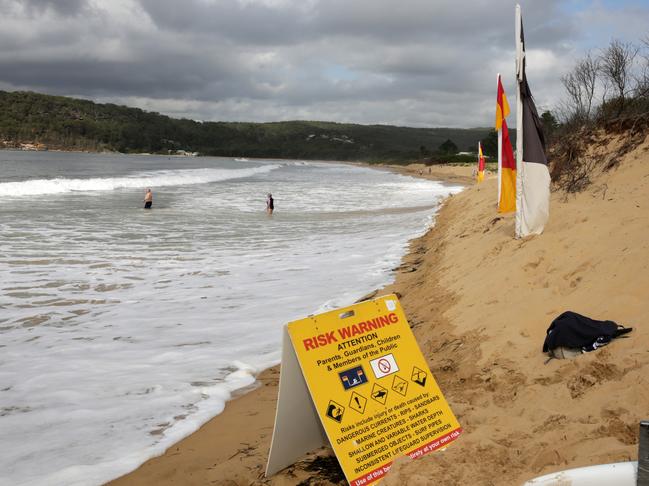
379 394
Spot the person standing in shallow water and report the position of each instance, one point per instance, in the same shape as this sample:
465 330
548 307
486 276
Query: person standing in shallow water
148 199
270 204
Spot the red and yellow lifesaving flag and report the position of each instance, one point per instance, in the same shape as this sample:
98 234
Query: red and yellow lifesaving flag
506 161
480 163
502 106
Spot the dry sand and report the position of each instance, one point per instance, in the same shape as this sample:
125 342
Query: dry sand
480 302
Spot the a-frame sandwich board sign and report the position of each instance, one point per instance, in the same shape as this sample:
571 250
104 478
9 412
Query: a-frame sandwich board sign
297 425
357 377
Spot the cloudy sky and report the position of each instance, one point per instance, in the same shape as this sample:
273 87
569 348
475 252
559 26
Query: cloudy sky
419 63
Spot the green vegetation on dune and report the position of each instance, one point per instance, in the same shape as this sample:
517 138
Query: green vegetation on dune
73 124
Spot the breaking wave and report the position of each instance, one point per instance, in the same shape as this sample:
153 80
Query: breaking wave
35 187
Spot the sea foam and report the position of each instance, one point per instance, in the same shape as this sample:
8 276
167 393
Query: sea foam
163 178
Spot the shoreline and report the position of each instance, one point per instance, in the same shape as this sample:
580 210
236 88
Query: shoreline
480 302
246 423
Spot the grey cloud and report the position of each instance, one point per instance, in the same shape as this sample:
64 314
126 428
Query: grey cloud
34 7
229 20
384 21
159 77
417 62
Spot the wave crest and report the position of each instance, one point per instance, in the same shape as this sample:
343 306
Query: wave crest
35 187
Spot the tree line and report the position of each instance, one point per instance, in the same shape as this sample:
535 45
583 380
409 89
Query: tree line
59 122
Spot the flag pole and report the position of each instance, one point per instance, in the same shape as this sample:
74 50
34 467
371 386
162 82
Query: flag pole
478 172
519 123
500 147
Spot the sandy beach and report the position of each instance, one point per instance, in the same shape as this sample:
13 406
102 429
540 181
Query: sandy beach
479 302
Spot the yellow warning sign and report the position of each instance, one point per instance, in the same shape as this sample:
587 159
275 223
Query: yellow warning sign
357 402
419 376
335 411
379 393
372 387
400 385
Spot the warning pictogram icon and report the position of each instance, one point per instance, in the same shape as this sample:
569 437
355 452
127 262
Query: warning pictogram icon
400 385
384 365
379 393
353 377
357 402
419 376
335 411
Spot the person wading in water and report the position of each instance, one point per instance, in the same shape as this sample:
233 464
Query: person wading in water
148 199
270 204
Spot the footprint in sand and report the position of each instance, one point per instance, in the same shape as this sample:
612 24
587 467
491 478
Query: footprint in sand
594 374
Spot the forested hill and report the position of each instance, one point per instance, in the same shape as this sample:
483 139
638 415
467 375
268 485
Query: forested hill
57 122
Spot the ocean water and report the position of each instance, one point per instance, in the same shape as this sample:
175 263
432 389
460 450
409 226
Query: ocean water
123 330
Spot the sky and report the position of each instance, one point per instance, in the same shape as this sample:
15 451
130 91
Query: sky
419 63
